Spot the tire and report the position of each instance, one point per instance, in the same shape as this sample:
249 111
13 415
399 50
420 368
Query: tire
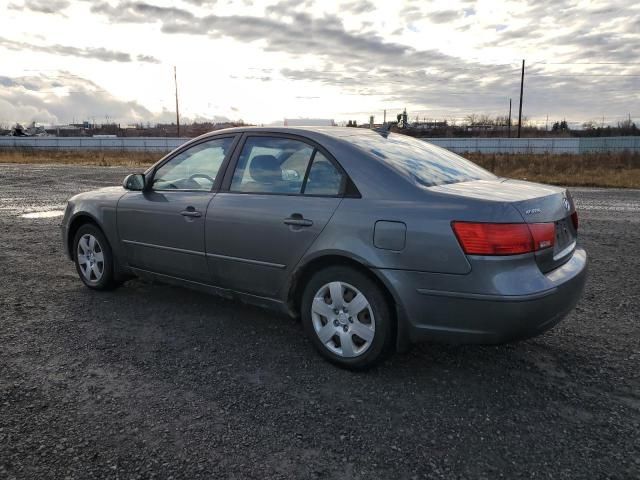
97 258
361 334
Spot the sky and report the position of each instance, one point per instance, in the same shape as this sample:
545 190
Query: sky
65 61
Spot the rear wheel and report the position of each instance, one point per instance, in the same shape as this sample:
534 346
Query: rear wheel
93 258
347 317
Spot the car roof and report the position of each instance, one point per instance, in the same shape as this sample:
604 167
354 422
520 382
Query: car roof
311 132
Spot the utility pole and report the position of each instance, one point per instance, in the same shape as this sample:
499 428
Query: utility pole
384 121
509 121
521 91
175 80
546 125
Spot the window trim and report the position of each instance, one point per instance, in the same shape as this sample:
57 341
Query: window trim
221 172
233 162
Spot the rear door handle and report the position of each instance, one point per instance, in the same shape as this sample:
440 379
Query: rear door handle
190 212
297 220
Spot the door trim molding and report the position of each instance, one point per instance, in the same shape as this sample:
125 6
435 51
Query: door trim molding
163 247
247 260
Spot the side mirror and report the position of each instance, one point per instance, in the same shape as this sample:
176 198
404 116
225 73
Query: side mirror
134 181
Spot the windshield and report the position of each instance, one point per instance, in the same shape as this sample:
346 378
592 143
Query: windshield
424 163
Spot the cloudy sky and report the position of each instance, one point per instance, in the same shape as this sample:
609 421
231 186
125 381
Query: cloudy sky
262 61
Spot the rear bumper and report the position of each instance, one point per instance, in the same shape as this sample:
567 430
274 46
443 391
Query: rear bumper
457 315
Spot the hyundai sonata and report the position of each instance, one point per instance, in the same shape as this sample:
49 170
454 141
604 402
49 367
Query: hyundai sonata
376 240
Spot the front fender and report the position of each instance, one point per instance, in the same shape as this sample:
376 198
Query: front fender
99 207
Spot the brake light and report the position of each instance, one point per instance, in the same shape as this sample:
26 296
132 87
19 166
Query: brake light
503 238
574 219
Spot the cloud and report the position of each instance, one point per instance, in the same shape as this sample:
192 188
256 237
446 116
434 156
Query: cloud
398 60
289 31
34 98
357 7
62 97
100 53
141 12
42 6
444 16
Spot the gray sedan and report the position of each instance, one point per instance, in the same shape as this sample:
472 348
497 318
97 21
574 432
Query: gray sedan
376 240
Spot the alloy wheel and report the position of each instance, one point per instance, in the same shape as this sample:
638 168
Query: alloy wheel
90 258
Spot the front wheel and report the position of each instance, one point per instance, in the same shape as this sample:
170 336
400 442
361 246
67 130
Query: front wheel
347 317
93 258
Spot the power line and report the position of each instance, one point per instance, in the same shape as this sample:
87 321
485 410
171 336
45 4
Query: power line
585 63
585 74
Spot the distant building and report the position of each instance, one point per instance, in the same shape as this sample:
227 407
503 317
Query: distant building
309 122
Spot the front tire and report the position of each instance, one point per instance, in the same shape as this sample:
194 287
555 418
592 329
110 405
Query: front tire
93 258
347 317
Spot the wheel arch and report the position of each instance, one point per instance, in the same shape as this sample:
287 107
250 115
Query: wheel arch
305 271
76 222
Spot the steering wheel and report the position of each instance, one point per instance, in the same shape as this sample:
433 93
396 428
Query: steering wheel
201 175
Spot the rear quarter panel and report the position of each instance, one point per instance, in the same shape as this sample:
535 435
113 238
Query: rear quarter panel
430 245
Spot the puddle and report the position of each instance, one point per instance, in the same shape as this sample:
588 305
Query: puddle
47 214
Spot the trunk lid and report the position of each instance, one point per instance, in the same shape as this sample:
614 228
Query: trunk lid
536 203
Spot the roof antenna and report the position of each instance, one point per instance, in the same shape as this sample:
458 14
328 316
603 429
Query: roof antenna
383 129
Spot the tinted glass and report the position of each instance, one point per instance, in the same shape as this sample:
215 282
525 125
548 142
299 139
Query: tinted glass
194 169
271 165
426 164
324 177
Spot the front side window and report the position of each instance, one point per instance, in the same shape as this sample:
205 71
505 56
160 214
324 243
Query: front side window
272 165
195 168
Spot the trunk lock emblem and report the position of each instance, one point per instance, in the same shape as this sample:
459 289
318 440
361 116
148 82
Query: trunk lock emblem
567 206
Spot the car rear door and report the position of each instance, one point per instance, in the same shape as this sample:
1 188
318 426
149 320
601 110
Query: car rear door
279 193
162 228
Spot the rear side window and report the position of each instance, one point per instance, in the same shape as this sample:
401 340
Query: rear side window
324 178
424 163
271 165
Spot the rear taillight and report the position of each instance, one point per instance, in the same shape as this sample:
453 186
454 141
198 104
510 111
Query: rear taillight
574 219
503 238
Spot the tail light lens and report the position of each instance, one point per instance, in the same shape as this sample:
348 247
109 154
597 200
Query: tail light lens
503 238
574 219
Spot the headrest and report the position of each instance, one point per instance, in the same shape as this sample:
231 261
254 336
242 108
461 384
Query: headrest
265 169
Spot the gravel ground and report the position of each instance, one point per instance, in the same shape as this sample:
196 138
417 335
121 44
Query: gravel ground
152 381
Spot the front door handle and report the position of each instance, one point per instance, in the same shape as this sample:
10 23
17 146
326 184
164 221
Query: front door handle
298 220
190 212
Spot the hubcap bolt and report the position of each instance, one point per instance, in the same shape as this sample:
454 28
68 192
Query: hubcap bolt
350 319
345 328
336 323
336 311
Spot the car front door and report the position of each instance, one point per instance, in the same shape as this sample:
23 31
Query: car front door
281 193
162 227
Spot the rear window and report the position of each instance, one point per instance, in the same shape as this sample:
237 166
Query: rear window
424 163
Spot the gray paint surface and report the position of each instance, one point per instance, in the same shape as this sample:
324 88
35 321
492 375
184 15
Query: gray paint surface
241 245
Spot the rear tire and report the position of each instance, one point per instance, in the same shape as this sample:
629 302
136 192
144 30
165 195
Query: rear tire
347 317
93 258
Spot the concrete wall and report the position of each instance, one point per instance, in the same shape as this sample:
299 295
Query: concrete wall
459 145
